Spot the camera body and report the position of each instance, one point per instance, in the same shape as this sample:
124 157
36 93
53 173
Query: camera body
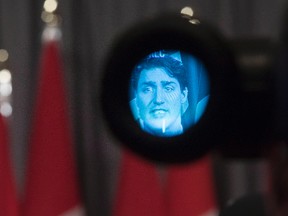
241 113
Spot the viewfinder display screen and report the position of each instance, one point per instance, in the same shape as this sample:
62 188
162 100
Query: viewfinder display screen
169 92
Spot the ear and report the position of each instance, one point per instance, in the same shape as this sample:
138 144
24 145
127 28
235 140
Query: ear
184 95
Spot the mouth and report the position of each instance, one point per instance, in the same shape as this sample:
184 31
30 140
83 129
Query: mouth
158 113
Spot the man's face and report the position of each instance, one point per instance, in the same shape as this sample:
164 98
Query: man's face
159 99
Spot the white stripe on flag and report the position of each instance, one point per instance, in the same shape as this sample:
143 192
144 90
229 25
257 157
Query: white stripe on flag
76 211
212 212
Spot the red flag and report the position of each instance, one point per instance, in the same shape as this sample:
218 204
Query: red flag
8 197
52 187
139 189
190 190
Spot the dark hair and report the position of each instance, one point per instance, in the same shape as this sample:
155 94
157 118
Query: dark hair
173 67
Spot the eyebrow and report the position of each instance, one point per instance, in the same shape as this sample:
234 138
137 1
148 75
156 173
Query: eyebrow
152 83
149 83
168 83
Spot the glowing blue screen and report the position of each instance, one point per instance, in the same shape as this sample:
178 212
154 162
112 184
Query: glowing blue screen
169 92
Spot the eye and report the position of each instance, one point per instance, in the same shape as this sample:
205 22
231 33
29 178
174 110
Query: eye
147 89
169 88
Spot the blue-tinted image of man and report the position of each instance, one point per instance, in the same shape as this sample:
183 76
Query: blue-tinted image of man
160 90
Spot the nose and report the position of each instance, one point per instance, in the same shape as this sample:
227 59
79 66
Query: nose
158 97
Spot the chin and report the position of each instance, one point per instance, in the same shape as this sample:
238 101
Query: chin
155 125
155 128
